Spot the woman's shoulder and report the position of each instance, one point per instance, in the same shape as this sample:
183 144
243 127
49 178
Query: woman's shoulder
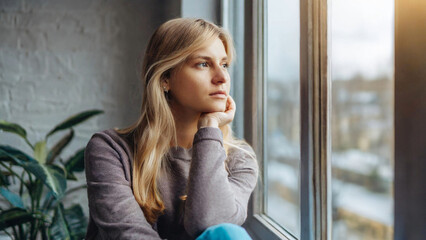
110 138
108 154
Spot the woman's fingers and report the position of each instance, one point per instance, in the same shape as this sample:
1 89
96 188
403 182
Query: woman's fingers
227 116
222 118
230 104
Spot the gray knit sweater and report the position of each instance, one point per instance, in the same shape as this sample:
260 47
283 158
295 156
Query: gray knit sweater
214 195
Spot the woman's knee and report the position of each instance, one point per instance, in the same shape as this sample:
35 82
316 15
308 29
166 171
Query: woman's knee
224 231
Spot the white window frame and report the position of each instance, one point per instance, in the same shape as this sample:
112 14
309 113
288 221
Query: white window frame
315 147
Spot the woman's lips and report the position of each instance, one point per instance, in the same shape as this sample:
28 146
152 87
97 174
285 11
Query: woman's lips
219 94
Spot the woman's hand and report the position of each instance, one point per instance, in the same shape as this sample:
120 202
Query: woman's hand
218 119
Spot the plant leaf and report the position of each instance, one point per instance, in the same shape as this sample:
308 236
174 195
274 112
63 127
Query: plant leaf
74 120
59 146
13 217
58 229
76 221
36 188
40 152
51 177
75 163
7 151
49 202
71 176
13 128
12 197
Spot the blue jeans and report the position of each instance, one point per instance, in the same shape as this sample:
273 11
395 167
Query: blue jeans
224 231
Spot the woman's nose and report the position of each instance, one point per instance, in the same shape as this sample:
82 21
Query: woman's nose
220 75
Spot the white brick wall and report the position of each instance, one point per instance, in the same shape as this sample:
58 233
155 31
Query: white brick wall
58 58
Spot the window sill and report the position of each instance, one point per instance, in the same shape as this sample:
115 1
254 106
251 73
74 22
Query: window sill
262 227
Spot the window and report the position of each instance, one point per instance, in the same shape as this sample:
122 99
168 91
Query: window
319 107
282 114
362 119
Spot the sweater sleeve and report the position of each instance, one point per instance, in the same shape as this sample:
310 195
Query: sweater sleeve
112 206
214 195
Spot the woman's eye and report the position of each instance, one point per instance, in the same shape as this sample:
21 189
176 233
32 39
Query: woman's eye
203 64
225 65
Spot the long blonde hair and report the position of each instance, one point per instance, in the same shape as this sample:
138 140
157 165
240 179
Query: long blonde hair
154 131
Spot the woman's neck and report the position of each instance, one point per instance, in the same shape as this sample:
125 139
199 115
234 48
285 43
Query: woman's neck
186 126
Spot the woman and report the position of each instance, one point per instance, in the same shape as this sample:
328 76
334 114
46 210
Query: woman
177 171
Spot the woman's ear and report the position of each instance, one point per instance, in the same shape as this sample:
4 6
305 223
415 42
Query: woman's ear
165 85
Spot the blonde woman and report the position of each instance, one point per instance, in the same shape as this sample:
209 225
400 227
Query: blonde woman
177 172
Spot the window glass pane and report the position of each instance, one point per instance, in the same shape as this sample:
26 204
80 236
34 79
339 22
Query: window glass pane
362 118
282 140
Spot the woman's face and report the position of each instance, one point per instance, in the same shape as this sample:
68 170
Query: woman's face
202 83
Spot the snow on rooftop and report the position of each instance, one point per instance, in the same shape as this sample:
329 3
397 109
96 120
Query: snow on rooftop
351 197
359 200
362 162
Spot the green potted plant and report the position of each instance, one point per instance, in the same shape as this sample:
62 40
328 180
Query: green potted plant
34 186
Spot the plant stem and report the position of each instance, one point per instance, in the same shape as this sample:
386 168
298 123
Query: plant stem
31 195
39 194
30 178
21 186
46 204
29 144
26 234
14 173
44 235
8 234
34 229
21 231
15 233
31 228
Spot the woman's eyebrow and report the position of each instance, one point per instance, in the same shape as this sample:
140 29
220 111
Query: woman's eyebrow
206 57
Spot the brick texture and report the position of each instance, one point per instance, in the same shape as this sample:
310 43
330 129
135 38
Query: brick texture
58 58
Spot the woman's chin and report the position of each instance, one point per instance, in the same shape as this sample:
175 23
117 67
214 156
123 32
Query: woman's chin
215 109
